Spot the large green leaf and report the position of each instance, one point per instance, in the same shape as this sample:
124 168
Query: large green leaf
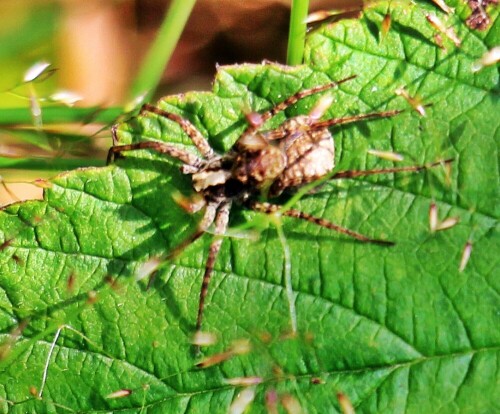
396 329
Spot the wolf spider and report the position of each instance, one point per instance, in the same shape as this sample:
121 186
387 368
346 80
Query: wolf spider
261 163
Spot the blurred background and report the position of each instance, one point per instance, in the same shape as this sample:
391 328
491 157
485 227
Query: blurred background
96 47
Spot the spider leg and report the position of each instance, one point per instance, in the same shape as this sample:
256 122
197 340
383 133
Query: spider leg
273 208
416 168
206 221
189 159
221 222
321 107
262 118
355 118
198 139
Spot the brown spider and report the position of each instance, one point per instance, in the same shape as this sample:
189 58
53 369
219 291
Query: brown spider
261 163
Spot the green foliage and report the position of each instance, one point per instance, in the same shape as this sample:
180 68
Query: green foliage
396 329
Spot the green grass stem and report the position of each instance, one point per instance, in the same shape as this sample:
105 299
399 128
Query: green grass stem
54 115
156 60
297 32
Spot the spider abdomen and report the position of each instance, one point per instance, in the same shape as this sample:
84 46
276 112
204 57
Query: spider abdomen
310 155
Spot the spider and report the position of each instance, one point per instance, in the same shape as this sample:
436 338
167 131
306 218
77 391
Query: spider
260 164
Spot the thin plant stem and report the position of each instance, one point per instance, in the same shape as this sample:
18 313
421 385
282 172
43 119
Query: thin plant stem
287 270
47 362
156 60
297 32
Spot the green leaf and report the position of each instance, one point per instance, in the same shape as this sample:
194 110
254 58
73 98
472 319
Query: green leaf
395 329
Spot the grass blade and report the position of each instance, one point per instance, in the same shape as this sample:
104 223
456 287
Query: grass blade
297 32
158 56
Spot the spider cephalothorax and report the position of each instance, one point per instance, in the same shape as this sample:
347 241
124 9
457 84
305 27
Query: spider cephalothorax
260 164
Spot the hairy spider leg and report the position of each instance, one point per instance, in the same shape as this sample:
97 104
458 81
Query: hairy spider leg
214 212
192 162
354 118
173 151
416 168
281 132
198 139
208 218
263 117
203 225
269 208
221 222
